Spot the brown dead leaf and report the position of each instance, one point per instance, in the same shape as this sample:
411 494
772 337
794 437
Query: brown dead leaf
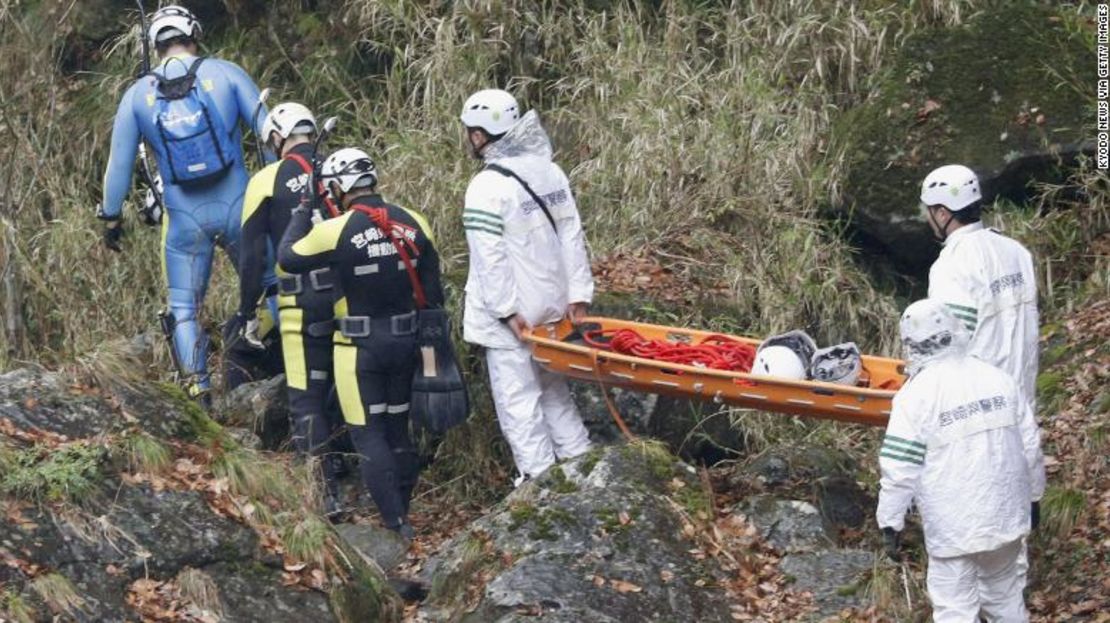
624 587
624 518
666 575
929 108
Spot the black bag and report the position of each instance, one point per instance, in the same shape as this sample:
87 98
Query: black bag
439 398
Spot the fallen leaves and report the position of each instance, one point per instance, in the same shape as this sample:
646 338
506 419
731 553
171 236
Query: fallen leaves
621 586
928 108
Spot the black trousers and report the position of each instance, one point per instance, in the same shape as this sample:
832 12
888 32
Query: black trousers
374 381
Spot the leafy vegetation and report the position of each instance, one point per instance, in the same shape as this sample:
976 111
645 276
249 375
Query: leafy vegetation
41 473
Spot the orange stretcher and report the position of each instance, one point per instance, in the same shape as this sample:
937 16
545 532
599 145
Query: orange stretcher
560 348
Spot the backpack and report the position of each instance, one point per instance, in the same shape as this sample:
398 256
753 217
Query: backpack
197 146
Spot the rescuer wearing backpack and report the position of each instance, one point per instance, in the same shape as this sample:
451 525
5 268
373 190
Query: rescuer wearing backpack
528 266
385 264
305 301
188 110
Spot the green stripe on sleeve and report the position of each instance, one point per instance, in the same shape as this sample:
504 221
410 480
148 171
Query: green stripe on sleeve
906 442
481 220
475 212
905 458
488 230
963 308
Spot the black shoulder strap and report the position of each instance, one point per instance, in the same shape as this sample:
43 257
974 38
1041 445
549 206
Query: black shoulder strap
509 173
177 88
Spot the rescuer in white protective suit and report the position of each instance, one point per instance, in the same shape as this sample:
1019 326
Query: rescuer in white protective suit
963 447
987 281
528 266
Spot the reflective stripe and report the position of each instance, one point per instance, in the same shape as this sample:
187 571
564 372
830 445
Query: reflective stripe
401 408
495 232
902 457
401 264
963 308
346 384
481 220
376 409
482 214
366 269
904 442
318 375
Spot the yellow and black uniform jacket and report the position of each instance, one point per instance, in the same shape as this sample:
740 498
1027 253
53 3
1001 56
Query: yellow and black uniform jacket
371 276
271 196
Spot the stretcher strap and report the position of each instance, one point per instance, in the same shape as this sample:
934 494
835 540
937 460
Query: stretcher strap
608 400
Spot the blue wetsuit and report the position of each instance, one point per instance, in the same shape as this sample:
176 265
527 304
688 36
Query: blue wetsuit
198 218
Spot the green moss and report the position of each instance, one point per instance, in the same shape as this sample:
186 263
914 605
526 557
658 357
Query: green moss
14 607
541 522
588 462
655 456
475 555
520 514
203 428
56 474
1053 355
693 500
558 482
1050 386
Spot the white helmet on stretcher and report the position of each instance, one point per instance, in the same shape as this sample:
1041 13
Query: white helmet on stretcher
785 356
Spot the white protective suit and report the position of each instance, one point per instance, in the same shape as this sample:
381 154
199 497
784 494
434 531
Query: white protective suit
987 280
519 264
962 445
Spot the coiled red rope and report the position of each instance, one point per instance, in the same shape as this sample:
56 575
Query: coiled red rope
719 352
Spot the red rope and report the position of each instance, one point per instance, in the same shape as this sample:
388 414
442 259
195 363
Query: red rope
718 352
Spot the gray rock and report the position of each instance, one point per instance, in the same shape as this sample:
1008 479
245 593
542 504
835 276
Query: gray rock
104 539
382 546
558 543
835 577
698 432
261 407
790 526
987 75
781 466
50 401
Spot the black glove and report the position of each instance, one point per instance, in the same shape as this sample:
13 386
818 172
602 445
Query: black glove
1035 515
112 236
891 541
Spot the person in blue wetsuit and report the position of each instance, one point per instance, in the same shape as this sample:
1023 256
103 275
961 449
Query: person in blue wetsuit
188 110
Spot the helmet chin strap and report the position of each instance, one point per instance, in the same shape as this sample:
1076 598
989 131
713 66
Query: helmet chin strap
937 227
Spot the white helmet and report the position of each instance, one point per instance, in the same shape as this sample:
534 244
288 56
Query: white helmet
953 186
493 110
349 168
173 21
930 331
288 118
840 364
779 361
